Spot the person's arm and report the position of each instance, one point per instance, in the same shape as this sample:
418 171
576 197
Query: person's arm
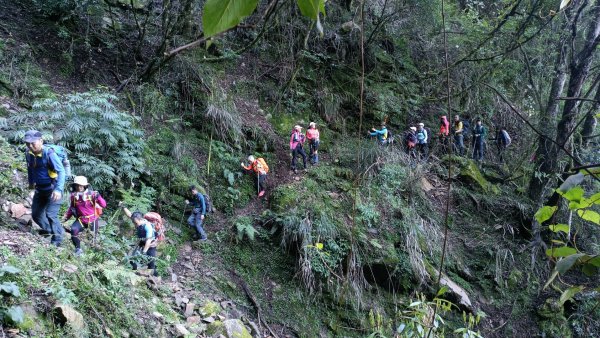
29 171
149 237
60 171
317 135
127 212
100 201
69 212
292 142
246 167
426 137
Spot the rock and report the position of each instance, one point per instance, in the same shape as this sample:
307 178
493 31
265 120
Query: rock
209 320
193 320
67 316
463 297
234 328
188 266
176 230
24 220
70 268
181 331
173 278
6 206
349 26
158 315
210 308
221 318
470 174
18 210
255 328
189 309
425 185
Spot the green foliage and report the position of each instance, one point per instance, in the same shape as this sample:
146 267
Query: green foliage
221 15
311 8
54 8
105 144
243 227
9 291
138 200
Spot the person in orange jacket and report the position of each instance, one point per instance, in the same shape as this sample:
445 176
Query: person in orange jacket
260 167
312 134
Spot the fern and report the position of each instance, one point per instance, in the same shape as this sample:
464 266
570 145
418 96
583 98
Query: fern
103 141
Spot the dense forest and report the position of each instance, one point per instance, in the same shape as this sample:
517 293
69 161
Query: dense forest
305 168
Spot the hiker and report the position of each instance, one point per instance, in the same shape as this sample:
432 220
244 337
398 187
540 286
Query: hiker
46 174
479 134
147 239
84 206
502 142
260 167
444 131
198 213
457 129
297 147
382 134
422 137
312 134
410 141
467 131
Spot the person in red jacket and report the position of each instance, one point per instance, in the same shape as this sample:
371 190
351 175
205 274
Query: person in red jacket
444 131
85 205
312 134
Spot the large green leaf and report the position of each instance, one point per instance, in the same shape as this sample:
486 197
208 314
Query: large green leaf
15 315
568 294
8 269
589 270
589 215
10 288
574 194
595 261
544 213
566 263
311 8
561 252
221 15
559 227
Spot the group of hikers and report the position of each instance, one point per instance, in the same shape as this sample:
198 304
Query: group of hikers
417 138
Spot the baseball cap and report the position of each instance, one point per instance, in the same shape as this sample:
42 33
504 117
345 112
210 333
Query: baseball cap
32 136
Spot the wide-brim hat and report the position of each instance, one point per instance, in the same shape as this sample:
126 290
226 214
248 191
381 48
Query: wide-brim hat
80 180
32 136
413 128
297 127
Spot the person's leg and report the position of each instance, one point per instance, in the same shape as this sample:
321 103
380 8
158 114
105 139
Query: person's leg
38 211
303 154
198 226
261 182
294 154
152 261
425 151
54 223
76 229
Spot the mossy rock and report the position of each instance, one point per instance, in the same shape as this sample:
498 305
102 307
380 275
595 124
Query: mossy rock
553 323
470 173
210 308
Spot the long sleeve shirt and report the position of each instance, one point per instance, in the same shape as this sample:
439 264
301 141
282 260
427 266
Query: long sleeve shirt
422 136
296 138
257 166
45 169
199 203
444 127
82 206
380 133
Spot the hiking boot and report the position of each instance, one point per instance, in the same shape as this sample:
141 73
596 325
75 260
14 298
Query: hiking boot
261 194
78 252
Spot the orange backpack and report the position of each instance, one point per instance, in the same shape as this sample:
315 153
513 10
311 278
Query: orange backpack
263 165
157 222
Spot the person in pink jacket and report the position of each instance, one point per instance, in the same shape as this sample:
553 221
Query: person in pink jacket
312 134
85 206
297 147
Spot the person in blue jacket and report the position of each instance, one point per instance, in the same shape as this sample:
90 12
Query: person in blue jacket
46 176
198 212
382 134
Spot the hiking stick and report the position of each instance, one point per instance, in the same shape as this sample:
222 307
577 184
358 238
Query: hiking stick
258 182
183 214
209 153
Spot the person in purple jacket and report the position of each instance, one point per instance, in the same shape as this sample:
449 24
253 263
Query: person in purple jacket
46 175
85 207
297 140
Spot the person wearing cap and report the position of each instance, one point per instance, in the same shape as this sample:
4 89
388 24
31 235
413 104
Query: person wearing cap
479 135
458 135
422 138
312 134
260 167
410 140
147 238
46 175
85 206
382 134
297 147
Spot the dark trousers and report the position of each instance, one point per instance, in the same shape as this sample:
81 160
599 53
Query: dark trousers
195 220
151 253
299 150
423 150
44 212
478 149
314 152
459 144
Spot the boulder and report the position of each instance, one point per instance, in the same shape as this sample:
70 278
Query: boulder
425 185
68 316
459 292
181 331
193 320
234 328
349 26
210 308
189 309
470 174
18 210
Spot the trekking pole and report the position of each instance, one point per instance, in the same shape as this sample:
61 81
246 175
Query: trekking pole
183 214
258 182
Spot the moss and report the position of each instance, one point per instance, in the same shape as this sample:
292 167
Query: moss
210 308
553 322
215 328
470 173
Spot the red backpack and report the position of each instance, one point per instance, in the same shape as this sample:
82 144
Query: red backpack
157 222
